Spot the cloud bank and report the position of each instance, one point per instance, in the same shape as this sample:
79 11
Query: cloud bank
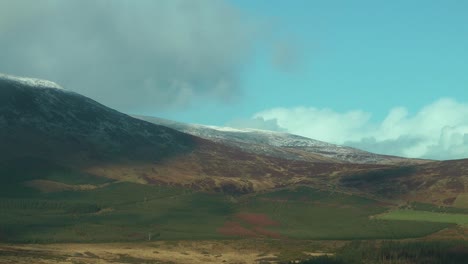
131 55
438 130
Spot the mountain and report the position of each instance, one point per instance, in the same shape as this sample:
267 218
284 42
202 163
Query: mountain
40 118
80 172
43 123
282 145
44 126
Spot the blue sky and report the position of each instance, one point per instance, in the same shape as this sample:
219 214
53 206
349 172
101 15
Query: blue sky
384 76
370 55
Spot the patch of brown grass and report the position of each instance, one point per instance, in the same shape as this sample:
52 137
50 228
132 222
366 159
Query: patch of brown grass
47 186
231 228
256 219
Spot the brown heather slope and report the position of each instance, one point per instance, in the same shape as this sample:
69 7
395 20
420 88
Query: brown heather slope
212 166
442 183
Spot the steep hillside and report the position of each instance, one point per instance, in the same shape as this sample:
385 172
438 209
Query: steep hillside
42 123
39 120
282 145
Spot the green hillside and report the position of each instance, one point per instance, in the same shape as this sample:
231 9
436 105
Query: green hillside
120 211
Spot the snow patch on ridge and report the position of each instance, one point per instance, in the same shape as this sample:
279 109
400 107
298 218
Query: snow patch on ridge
275 143
32 82
278 139
227 129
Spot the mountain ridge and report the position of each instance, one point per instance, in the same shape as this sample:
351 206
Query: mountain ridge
69 129
57 121
282 144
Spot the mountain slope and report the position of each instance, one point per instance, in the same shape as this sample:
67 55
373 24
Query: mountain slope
441 183
42 123
83 172
39 118
281 145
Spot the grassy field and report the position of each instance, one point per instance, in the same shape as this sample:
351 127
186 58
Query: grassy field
438 209
120 211
305 213
242 251
134 212
462 200
414 252
414 215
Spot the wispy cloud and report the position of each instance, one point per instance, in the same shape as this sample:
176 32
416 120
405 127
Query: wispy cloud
438 130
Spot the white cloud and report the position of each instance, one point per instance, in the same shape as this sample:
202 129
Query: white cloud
438 130
323 124
131 55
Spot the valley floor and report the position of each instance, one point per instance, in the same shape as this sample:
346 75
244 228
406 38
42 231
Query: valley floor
437 248
233 251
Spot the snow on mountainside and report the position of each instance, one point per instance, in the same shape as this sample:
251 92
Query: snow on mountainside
280 144
31 82
42 124
40 118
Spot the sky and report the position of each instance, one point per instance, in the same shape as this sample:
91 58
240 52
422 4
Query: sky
384 76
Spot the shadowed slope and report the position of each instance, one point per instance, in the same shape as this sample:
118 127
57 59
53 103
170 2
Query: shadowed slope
442 183
37 118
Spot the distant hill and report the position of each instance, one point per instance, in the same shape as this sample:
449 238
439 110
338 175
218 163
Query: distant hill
282 145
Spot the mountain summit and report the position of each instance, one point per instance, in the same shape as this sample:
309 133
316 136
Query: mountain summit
40 118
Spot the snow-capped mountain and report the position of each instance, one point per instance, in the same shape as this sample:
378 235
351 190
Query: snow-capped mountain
40 118
36 112
43 123
280 144
30 82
